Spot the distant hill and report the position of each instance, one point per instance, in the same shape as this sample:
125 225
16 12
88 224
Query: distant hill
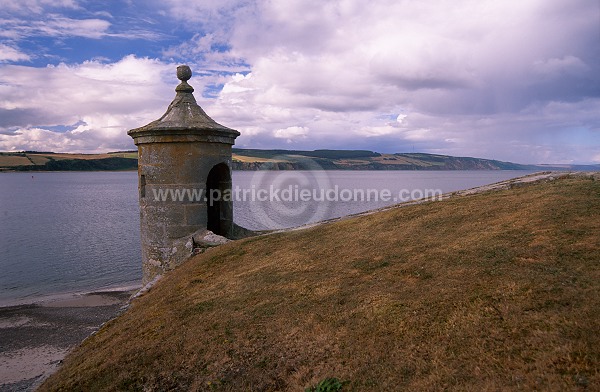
251 159
361 160
50 161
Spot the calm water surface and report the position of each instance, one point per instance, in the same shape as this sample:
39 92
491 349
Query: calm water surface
70 232
65 232
276 214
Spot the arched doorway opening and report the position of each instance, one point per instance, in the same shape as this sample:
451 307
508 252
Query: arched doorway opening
218 193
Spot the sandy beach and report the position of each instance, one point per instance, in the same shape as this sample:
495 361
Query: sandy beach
35 338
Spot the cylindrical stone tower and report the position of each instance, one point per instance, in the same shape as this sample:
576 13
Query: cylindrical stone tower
184 175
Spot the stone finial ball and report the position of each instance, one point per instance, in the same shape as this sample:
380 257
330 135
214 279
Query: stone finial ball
184 73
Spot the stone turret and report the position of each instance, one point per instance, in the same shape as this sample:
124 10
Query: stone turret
184 159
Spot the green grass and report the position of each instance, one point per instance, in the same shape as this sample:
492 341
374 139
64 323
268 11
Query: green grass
495 291
330 384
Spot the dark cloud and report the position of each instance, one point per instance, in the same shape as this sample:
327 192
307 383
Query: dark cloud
11 118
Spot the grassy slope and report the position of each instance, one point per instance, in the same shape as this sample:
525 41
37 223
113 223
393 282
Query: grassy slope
484 292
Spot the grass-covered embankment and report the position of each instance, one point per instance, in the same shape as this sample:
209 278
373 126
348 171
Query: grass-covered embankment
493 291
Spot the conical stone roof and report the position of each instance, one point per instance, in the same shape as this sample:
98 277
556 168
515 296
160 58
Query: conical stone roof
184 120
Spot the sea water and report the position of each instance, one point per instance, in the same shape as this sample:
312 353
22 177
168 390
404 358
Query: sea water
65 232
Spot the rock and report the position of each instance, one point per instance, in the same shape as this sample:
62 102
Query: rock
206 239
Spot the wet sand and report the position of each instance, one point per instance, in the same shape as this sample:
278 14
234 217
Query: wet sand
35 338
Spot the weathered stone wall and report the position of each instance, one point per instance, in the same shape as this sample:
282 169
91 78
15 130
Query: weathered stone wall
173 166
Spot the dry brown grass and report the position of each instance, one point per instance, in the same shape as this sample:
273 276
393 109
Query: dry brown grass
244 158
28 159
352 161
7 160
59 156
38 159
392 159
127 154
496 291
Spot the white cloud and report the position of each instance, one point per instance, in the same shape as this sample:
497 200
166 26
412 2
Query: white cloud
106 100
377 130
54 26
237 85
291 133
36 6
40 140
88 28
10 54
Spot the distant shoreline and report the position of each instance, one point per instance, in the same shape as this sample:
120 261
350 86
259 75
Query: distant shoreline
253 160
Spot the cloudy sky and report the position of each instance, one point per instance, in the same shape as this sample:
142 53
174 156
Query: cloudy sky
511 80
